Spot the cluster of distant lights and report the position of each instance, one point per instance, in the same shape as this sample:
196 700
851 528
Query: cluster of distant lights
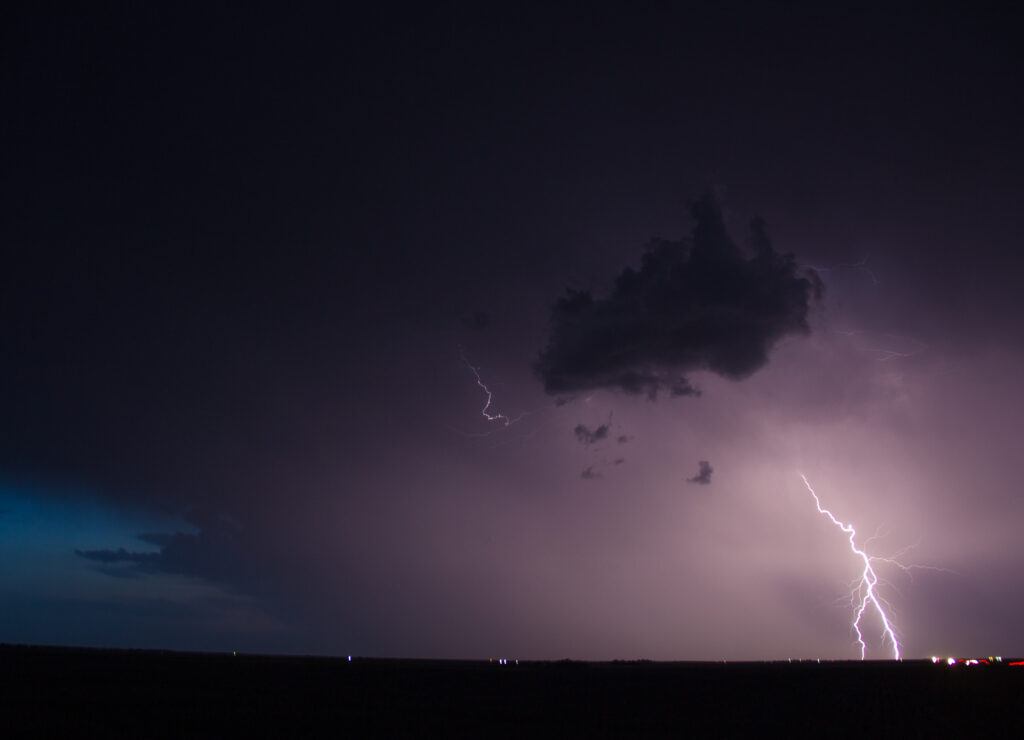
990 660
974 661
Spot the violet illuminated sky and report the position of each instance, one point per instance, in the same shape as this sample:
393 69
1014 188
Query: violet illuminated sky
247 255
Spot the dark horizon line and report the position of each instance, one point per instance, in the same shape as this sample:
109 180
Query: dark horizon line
343 658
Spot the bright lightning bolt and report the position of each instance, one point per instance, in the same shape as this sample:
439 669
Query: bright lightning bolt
506 420
865 587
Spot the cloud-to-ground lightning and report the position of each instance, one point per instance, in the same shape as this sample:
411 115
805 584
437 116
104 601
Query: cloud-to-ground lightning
506 420
864 596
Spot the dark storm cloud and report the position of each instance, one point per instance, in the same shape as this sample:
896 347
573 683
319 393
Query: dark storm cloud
696 304
588 437
704 475
215 552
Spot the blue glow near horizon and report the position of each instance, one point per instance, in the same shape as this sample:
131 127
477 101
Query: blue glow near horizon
41 527
53 596
44 518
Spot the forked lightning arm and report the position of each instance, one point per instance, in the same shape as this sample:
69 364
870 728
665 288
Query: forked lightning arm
506 420
865 588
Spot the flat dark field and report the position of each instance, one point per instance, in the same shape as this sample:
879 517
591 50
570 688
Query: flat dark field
113 693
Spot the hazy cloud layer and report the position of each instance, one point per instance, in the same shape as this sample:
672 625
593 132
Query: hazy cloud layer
694 304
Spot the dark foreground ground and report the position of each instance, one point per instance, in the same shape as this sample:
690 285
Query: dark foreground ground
105 693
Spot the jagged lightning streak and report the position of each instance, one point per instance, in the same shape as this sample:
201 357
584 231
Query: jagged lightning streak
861 264
865 588
507 420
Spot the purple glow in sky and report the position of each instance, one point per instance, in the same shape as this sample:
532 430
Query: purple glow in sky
250 256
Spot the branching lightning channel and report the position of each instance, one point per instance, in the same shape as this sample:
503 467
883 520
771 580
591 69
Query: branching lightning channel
864 596
506 420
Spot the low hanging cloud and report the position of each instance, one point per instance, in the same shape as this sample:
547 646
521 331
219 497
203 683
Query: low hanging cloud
694 304
703 475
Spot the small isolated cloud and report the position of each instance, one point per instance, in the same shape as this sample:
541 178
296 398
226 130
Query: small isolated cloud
619 461
704 473
623 438
590 474
694 304
588 437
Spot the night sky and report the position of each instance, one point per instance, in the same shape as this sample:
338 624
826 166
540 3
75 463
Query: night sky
262 271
